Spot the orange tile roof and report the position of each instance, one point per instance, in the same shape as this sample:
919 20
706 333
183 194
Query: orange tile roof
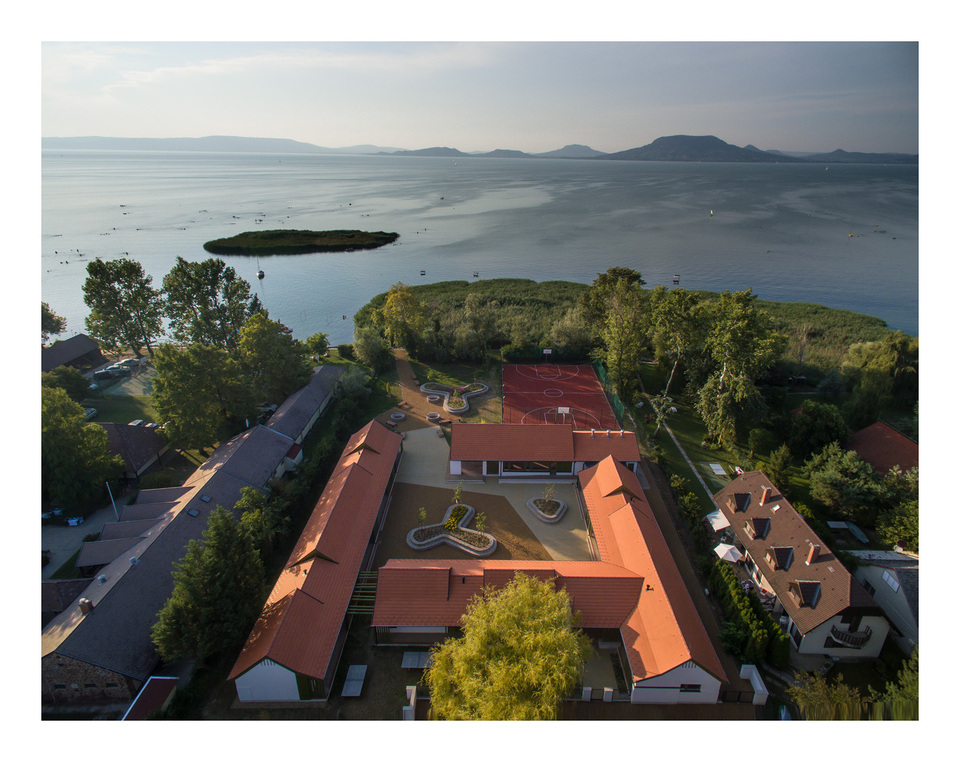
636 585
554 442
883 448
302 618
838 590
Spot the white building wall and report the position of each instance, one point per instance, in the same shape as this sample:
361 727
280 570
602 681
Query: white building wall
268 681
813 641
455 468
665 688
894 604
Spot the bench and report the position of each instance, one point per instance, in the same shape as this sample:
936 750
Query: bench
354 682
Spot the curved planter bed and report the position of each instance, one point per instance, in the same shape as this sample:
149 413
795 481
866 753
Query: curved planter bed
546 517
443 537
398 416
432 389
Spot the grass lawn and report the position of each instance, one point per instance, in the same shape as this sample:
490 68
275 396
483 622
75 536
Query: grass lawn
123 409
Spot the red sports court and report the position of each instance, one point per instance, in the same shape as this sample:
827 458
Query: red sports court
556 394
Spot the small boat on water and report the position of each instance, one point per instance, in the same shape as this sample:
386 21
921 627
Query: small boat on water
287 329
260 274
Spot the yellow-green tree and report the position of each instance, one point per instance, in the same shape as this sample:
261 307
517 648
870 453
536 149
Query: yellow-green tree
404 316
520 655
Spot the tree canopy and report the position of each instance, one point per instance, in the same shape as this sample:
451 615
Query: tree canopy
206 302
125 309
75 458
196 391
51 324
519 656
274 363
71 380
218 592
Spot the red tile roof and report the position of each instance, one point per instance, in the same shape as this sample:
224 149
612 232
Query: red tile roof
304 613
837 591
636 585
555 442
883 448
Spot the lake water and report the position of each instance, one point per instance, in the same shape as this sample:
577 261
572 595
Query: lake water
845 237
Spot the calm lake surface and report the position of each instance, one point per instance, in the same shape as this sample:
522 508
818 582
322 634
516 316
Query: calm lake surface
845 237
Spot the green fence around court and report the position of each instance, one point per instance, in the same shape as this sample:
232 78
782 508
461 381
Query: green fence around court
619 409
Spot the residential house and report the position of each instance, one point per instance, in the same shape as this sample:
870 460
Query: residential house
823 607
892 577
79 351
138 446
884 448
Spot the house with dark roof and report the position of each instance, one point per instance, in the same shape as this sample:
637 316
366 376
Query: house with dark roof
892 578
98 649
78 351
884 448
821 605
294 648
138 446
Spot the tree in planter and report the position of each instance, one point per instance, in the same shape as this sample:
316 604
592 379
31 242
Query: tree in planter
481 521
458 493
519 656
421 517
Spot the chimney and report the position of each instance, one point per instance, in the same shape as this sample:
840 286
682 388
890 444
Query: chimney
813 554
86 605
592 432
621 433
765 496
608 433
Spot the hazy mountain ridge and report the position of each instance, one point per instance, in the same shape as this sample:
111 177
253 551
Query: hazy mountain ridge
670 148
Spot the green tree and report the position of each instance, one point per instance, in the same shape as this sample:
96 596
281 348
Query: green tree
818 699
260 519
274 363
71 380
318 344
125 309
207 302
75 459
197 390
572 335
519 657
844 483
901 525
742 344
218 592
372 349
778 464
814 426
596 300
404 316
51 324
623 334
901 700
677 325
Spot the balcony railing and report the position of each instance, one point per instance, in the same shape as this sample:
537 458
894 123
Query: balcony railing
852 639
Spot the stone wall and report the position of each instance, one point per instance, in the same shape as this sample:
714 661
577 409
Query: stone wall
70 681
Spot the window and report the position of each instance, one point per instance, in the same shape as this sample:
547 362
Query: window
871 590
113 685
689 687
891 581
89 686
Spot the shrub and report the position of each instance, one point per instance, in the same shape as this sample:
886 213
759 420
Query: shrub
345 351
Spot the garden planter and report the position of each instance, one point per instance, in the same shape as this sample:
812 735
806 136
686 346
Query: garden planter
461 538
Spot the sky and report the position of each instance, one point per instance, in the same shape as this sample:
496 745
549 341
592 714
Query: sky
481 96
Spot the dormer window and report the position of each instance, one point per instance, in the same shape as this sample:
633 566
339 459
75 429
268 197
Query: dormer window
757 529
779 558
805 593
738 501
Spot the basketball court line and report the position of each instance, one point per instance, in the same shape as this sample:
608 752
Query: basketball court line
552 415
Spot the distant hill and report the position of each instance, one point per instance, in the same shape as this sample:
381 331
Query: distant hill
671 148
219 143
847 157
574 151
695 148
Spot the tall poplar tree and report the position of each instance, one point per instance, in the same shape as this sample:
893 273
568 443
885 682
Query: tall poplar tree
207 302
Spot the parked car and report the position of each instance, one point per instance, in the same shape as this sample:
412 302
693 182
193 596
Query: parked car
152 425
88 413
119 370
74 521
130 362
103 375
137 422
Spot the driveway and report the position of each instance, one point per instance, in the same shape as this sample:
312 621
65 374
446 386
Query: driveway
64 541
